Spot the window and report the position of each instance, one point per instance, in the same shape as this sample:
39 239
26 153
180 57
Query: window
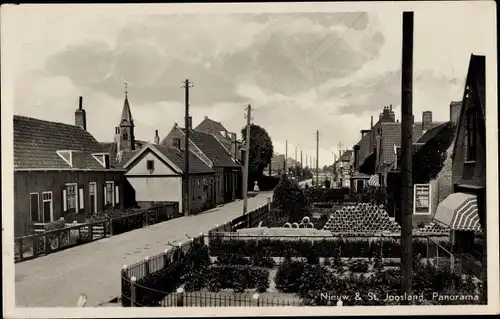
471 135
92 197
109 194
71 194
422 199
398 156
150 165
48 215
360 184
34 207
125 136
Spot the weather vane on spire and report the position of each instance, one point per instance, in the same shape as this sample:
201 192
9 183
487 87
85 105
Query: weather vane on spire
126 89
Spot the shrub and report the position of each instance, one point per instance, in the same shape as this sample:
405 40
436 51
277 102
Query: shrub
288 275
58 224
232 259
314 281
359 266
267 183
263 259
237 278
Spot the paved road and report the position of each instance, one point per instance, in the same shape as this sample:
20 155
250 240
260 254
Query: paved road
58 280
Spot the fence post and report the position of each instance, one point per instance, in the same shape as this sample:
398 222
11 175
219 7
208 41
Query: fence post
145 216
146 265
255 298
165 258
110 221
124 280
427 250
132 291
180 297
437 255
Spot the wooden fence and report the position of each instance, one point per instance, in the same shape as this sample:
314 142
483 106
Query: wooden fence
33 246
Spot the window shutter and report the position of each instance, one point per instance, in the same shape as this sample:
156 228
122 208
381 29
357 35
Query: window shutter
65 203
81 199
117 194
105 196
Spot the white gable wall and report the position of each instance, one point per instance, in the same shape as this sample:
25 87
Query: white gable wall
140 168
162 185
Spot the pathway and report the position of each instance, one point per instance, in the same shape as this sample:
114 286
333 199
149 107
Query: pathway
93 269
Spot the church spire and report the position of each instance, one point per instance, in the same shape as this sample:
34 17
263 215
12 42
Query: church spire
126 119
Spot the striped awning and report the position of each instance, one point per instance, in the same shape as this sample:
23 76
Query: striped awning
459 211
374 180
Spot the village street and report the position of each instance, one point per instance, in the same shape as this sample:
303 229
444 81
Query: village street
93 269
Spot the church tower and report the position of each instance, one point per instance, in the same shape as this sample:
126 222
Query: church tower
124 133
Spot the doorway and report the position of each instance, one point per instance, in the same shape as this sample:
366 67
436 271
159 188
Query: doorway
48 208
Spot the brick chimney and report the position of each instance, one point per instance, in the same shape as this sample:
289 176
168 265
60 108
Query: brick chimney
80 115
426 120
387 114
157 138
234 152
356 156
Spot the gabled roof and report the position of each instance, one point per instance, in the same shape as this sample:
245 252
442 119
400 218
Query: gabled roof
172 156
346 156
430 134
212 148
208 123
37 141
391 136
476 77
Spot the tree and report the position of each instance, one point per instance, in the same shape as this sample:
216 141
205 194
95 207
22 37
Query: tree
261 151
290 199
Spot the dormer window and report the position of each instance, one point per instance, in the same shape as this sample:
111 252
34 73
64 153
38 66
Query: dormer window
67 156
102 158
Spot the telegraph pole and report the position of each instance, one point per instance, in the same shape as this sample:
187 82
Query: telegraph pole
295 157
307 164
187 197
317 157
286 157
406 154
301 166
247 159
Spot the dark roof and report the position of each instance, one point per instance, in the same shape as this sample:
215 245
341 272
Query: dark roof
430 134
196 166
126 118
212 148
346 156
208 123
391 135
37 141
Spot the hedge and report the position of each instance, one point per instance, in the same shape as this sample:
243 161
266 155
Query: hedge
354 247
237 278
316 280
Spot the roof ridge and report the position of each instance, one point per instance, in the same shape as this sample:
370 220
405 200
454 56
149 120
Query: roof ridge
23 117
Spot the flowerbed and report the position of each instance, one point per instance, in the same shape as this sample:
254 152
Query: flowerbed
351 247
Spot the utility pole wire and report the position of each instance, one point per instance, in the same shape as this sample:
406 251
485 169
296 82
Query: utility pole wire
247 159
187 120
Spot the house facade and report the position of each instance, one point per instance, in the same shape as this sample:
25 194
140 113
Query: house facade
228 171
60 170
156 172
343 169
464 211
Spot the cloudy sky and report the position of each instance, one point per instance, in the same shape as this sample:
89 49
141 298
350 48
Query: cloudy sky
302 72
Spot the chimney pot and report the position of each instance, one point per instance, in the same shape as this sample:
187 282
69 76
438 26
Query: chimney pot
156 132
80 103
